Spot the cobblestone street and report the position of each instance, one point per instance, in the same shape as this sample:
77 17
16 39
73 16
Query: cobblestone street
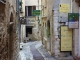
34 51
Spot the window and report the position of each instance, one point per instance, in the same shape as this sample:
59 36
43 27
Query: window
29 10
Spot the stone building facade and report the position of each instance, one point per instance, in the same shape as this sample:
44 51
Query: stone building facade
74 8
8 30
30 28
47 24
52 43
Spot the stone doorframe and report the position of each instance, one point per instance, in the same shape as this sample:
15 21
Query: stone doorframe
48 36
11 41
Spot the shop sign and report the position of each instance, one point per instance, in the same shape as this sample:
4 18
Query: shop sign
30 22
36 12
66 38
73 20
64 8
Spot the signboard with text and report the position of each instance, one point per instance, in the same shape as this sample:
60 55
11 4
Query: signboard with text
36 12
30 21
63 19
66 38
73 20
64 8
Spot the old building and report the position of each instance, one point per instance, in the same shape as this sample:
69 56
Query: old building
22 19
55 16
8 30
44 21
30 27
76 51
47 24
61 19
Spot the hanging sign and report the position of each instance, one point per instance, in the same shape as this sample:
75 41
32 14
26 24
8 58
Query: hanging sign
66 39
65 8
73 20
30 21
36 12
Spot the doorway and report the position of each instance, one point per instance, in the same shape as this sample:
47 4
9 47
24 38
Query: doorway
48 35
28 31
11 37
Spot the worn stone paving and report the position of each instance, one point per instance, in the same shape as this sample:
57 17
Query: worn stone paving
45 54
36 54
33 50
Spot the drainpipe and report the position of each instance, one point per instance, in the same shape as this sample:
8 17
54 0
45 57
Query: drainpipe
19 26
79 35
38 21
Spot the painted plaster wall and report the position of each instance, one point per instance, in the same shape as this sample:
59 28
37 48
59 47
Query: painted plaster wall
33 3
23 32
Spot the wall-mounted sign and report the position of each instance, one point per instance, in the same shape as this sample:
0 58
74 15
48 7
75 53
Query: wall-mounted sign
73 20
30 21
64 8
66 38
36 12
63 19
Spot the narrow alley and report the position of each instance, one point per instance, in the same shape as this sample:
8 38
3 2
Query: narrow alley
39 29
33 50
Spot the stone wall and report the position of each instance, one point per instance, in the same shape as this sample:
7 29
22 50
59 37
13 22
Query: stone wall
50 39
3 35
8 31
57 24
75 9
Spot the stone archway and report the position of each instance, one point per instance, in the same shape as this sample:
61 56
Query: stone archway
48 36
11 37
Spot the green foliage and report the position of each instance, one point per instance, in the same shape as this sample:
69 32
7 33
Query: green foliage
21 2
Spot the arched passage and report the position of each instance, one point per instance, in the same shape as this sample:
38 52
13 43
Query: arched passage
11 37
48 28
48 36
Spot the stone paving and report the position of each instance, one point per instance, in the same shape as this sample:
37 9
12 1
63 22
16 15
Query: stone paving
34 50
45 54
